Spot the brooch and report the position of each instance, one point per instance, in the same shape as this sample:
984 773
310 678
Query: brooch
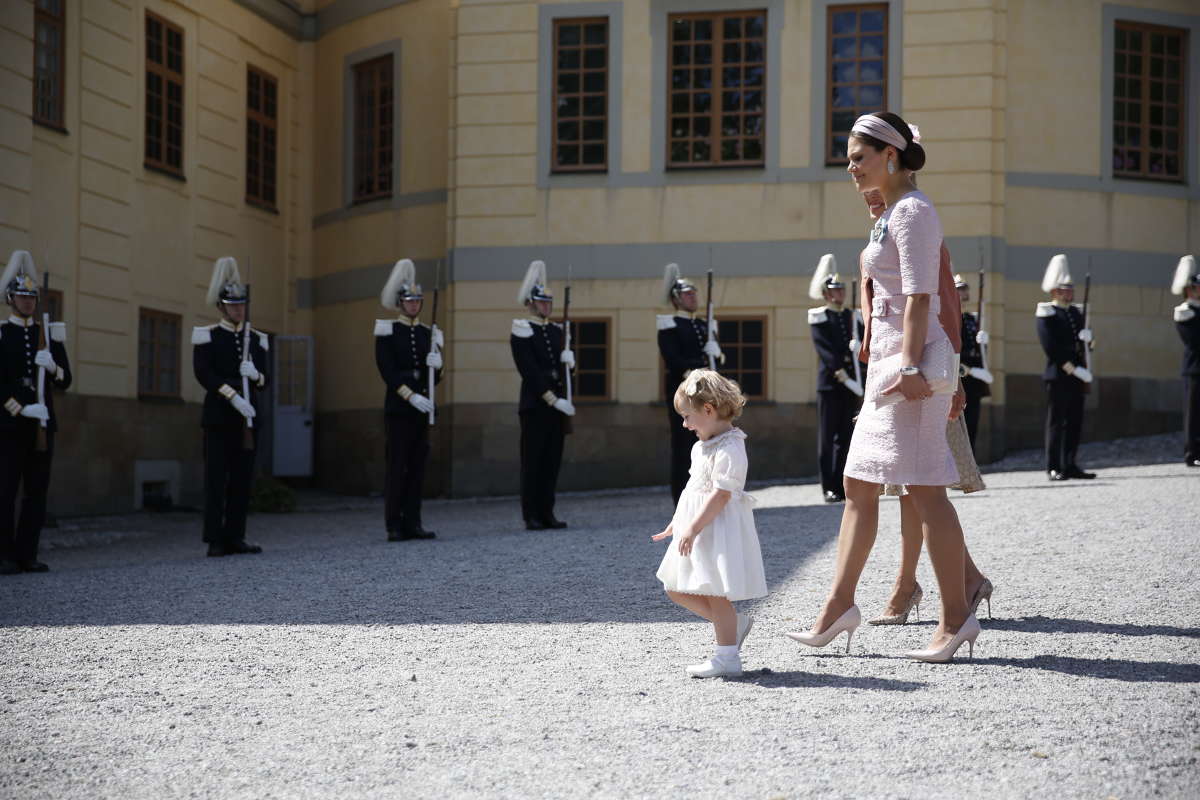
879 231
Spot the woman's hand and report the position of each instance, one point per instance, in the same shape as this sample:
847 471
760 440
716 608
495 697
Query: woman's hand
686 540
658 537
959 402
913 387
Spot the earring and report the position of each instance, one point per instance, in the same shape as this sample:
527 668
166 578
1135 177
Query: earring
891 167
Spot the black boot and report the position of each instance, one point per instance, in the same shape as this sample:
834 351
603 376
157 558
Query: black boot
33 565
534 525
1055 475
1075 472
241 546
417 532
550 521
216 550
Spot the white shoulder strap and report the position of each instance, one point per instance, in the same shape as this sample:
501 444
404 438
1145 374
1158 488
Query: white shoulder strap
58 331
522 329
1045 309
202 334
383 327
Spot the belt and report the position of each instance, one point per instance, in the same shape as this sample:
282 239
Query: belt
894 306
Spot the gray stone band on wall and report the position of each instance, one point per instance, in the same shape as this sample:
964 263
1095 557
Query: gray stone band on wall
310 27
361 283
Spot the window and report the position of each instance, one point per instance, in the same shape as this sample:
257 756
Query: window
1148 108
52 304
744 343
164 95
48 61
580 95
158 353
856 71
589 340
373 129
262 112
717 103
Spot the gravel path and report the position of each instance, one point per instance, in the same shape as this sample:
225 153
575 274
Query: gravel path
496 662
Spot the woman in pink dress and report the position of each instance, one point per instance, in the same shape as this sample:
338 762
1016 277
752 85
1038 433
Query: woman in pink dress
899 442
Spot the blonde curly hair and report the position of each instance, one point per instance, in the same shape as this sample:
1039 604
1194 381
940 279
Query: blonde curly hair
704 386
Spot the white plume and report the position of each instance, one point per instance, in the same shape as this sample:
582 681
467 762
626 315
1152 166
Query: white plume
535 275
404 273
1184 271
1057 272
826 267
225 270
670 278
19 263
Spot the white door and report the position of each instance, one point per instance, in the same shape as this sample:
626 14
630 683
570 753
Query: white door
293 439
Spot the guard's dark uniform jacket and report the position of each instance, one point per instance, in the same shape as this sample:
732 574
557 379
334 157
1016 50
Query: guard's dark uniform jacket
401 347
972 356
1058 331
536 349
1187 322
681 340
832 332
20 460
228 464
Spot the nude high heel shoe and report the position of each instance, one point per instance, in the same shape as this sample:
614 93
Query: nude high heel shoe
969 632
914 602
984 592
847 622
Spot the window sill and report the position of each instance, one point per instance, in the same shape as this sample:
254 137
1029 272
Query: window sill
365 203
179 176
161 399
50 126
267 209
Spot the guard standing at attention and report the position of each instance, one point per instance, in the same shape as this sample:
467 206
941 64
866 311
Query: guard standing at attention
836 335
537 349
405 352
1061 331
1187 322
27 430
976 379
685 343
229 359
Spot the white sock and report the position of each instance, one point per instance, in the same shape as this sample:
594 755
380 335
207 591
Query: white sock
727 650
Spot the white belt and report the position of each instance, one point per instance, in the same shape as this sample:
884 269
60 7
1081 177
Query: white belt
894 306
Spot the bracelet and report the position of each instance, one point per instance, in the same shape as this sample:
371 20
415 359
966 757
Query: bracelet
912 369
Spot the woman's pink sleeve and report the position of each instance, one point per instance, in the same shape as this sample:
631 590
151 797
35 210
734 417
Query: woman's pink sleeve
915 227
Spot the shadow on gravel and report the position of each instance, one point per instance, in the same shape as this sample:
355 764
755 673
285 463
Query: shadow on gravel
1117 669
798 679
1039 624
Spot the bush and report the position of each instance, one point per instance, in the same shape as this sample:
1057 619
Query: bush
271 496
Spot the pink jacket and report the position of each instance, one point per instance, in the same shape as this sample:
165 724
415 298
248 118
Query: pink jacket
950 314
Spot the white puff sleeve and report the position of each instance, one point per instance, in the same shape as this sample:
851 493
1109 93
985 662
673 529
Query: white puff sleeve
729 469
917 231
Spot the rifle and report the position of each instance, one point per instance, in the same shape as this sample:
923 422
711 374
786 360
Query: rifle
1087 346
712 361
247 432
433 347
854 317
567 426
982 347
41 444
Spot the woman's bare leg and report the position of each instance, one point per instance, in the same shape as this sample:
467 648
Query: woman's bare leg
944 538
860 523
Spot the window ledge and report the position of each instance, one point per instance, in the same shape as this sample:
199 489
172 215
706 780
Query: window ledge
179 176
263 207
50 126
161 399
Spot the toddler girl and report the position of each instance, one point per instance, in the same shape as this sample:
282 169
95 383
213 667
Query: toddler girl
714 558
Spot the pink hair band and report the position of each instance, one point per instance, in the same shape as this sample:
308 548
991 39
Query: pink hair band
875 127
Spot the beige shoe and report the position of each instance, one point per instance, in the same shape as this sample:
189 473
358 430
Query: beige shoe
847 622
969 632
984 592
914 602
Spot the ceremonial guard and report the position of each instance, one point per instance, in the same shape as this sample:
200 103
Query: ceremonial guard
687 341
409 358
836 334
31 365
542 359
229 359
1064 335
1187 322
972 368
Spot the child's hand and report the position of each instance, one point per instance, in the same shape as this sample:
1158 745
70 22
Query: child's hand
686 539
658 537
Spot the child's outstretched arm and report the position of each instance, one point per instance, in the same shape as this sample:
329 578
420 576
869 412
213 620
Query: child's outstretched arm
713 506
658 537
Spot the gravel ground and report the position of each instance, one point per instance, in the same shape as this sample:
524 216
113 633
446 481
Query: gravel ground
496 662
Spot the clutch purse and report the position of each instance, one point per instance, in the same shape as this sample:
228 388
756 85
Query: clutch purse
939 367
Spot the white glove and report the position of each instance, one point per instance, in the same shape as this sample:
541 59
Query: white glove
248 370
434 359
982 338
439 338
568 358
36 411
1083 373
854 386
243 406
420 402
1085 335
565 406
980 374
711 348
854 345
44 359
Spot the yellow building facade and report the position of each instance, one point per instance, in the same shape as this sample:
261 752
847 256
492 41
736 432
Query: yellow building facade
478 170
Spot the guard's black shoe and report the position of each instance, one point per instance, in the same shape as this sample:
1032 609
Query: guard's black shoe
395 536
216 550
242 547
9 568
554 523
1077 473
419 533
534 525
1055 475
1192 462
834 497
33 565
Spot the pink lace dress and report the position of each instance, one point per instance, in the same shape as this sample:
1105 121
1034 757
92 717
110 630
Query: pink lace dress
903 443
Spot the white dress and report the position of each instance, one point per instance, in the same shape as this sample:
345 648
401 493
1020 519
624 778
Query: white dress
725 560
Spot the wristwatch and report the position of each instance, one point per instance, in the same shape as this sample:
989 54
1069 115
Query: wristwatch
910 370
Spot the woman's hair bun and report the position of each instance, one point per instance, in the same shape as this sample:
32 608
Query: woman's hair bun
912 157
